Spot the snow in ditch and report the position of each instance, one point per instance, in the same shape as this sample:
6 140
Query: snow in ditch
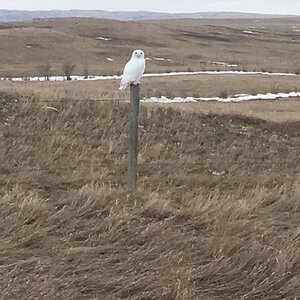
216 73
169 74
101 38
249 32
164 99
223 64
235 98
158 59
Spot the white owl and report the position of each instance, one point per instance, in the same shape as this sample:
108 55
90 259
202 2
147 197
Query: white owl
133 70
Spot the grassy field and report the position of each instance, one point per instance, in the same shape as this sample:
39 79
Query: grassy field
216 215
179 86
184 86
184 44
217 212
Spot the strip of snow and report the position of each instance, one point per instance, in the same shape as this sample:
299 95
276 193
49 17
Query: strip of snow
109 59
164 99
296 30
158 58
170 74
216 73
249 32
235 98
224 64
63 78
103 38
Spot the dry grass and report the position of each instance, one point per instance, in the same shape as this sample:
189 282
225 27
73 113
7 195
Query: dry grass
26 45
184 86
278 111
216 85
217 211
216 215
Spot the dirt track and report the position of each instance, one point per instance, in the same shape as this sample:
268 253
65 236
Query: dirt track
216 216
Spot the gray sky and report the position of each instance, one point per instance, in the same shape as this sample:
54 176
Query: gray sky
260 6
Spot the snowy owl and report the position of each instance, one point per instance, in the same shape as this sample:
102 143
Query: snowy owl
133 70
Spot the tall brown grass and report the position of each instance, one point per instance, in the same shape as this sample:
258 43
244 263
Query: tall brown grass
216 215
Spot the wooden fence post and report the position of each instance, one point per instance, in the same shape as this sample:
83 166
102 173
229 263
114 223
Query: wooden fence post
133 137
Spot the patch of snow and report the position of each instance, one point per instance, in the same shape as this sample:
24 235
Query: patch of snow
159 58
148 58
296 30
101 38
249 32
109 59
235 98
50 107
216 173
28 46
164 99
223 64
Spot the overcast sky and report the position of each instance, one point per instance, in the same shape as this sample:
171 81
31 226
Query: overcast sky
259 6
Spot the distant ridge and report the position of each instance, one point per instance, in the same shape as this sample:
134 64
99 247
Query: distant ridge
21 15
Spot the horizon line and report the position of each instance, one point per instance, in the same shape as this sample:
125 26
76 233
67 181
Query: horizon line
150 11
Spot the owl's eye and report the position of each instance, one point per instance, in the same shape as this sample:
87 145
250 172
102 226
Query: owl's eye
135 53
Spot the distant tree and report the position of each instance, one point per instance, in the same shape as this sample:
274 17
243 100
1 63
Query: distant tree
45 71
68 68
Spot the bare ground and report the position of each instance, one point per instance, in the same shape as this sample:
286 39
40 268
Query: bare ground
216 215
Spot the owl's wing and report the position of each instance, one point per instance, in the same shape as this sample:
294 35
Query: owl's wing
128 75
140 72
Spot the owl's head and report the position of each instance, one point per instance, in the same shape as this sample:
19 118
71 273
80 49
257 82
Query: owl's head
138 54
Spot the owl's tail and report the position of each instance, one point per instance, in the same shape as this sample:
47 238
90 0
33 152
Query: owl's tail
123 84
122 87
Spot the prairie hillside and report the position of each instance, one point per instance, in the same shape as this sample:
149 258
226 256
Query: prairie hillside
216 215
102 46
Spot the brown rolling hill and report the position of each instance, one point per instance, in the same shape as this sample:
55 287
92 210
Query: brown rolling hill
216 215
103 46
